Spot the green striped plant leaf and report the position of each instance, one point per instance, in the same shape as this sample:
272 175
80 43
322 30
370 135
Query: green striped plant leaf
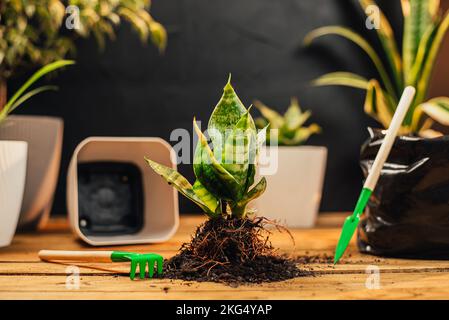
273 117
376 105
240 149
19 98
362 43
429 63
209 171
255 192
387 39
342 79
418 16
204 200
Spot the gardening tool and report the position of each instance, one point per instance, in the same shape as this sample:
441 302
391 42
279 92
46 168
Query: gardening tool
109 256
352 221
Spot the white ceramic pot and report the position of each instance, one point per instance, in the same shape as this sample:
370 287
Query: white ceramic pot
44 138
295 178
13 161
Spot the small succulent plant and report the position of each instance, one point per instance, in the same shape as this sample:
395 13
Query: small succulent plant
224 173
424 30
289 128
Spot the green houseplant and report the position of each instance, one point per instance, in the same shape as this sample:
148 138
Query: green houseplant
424 30
34 33
412 186
294 172
230 245
289 127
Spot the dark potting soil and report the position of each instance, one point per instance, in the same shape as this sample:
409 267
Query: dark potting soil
231 251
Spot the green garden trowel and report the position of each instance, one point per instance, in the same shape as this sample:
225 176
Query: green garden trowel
136 259
351 222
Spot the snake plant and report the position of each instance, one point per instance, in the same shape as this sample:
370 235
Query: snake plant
22 95
289 128
224 173
424 29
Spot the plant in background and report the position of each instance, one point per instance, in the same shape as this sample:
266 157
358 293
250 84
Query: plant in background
38 32
22 95
225 173
424 30
290 127
231 246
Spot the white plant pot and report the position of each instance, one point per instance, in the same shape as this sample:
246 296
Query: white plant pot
13 161
295 178
160 200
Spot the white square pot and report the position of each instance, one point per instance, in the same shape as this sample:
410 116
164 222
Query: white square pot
160 201
13 162
295 178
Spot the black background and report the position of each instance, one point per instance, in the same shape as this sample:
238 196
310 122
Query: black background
130 90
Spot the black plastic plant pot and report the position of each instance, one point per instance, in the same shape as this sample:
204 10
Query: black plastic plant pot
408 213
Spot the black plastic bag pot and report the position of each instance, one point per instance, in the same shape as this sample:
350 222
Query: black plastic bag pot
408 213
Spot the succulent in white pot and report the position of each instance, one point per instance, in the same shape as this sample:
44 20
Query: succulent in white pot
295 172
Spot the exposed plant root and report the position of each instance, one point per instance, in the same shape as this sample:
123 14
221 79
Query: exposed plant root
232 251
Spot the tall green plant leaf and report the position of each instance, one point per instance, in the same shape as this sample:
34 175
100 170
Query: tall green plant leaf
362 43
429 63
376 104
203 199
225 116
274 118
36 76
28 95
388 41
418 16
342 79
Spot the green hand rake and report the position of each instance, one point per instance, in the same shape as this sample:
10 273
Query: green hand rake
136 259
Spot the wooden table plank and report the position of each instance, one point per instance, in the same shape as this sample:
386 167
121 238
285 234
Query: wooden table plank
23 276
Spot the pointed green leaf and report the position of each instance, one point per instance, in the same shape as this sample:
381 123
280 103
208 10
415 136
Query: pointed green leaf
342 79
302 135
226 114
181 184
274 118
362 43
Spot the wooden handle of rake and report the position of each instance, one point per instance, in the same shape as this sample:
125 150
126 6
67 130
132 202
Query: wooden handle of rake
80 256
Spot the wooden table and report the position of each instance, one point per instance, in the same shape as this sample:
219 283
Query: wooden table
23 276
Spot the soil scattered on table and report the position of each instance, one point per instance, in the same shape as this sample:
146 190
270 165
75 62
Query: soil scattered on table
315 259
231 251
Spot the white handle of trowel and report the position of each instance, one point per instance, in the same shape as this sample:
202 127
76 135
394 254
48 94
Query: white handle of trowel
403 106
